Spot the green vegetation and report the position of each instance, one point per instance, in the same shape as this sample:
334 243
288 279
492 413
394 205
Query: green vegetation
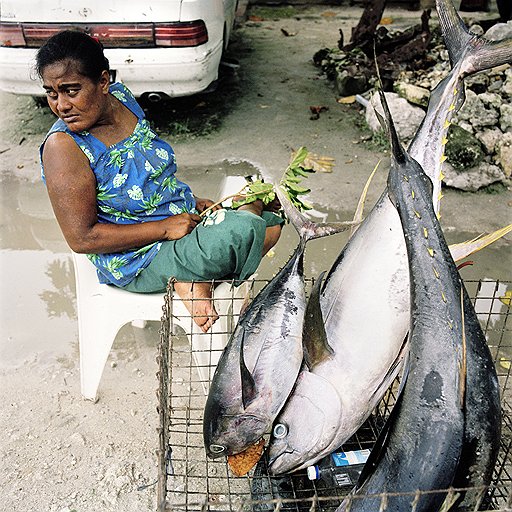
298 169
277 12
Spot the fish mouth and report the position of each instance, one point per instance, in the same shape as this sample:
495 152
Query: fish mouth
236 434
275 463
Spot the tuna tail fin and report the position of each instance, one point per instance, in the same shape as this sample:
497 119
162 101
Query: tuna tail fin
307 229
478 53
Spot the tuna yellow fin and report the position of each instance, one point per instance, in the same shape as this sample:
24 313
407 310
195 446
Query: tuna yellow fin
464 249
358 214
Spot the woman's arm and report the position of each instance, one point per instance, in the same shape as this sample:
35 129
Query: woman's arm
72 191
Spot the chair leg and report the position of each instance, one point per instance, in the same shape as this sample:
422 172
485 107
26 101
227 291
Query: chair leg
96 340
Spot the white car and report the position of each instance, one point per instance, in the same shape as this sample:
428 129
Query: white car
157 48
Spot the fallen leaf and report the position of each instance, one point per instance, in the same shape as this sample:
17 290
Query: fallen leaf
386 21
347 100
242 463
255 18
316 110
505 363
506 299
328 14
319 163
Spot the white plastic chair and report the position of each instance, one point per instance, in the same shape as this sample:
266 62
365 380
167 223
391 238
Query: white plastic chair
103 309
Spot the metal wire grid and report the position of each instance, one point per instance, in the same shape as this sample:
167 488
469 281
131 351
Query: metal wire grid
189 481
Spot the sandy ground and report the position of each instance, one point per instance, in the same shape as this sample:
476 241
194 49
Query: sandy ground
59 453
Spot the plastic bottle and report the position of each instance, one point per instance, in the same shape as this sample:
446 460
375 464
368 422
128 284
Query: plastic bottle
339 469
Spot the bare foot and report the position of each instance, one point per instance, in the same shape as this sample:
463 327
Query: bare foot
255 207
197 298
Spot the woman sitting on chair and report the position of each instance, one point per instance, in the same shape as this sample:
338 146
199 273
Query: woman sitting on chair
112 185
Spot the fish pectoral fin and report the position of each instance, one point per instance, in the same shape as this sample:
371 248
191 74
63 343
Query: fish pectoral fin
314 338
464 249
249 391
380 446
402 359
358 214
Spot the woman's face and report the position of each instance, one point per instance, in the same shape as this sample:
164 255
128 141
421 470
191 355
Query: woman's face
74 98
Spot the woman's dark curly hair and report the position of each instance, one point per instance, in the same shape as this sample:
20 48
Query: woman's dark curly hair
77 46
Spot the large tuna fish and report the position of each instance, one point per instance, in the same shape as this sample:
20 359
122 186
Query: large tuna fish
364 300
260 363
422 444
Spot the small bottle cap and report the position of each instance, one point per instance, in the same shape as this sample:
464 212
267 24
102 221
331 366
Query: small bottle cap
313 472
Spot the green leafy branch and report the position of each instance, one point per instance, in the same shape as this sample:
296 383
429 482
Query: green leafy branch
302 164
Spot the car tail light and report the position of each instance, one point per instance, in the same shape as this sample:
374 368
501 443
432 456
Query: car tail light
112 35
193 33
11 34
37 33
136 35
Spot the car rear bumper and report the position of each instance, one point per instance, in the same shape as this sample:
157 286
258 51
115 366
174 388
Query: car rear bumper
171 71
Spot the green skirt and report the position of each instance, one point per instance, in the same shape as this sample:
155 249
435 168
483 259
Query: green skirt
228 244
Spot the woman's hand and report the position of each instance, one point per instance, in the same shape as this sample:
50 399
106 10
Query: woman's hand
177 226
202 204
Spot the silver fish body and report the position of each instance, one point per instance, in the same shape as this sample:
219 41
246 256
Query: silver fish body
423 442
259 366
364 300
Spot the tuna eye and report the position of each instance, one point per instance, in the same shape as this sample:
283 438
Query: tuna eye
280 431
216 448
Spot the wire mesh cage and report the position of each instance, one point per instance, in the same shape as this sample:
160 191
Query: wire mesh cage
190 481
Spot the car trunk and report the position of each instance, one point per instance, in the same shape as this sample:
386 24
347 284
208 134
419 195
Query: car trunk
90 11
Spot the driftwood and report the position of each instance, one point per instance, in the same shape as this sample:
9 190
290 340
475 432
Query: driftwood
363 32
393 50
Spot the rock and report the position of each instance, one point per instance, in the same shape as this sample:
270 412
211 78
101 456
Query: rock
489 137
407 118
477 83
491 99
504 153
466 125
506 117
476 29
507 85
499 31
495 85
348 85
413 93
474 178
475 111
463 149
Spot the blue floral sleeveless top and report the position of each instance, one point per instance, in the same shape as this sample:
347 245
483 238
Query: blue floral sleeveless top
135 182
